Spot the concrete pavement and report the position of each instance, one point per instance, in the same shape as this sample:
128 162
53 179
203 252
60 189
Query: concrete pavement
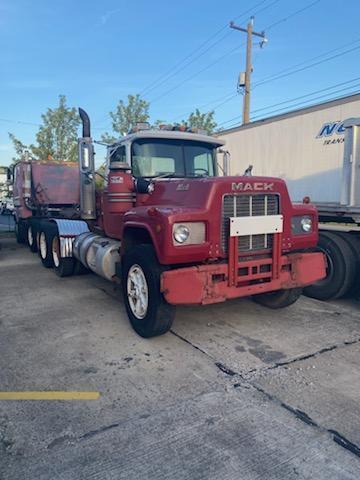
234 391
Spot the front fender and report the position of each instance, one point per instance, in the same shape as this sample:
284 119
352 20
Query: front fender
149 230
158 225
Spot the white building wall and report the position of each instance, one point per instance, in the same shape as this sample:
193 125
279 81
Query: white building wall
289 148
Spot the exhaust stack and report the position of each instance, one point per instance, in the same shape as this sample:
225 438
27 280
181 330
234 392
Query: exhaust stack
87 170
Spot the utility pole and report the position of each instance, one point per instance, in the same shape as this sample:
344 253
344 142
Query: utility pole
247 84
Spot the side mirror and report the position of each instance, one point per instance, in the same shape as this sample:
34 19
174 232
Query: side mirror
226 162
143 186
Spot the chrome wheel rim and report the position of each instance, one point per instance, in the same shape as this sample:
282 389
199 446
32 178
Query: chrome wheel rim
55 252
30 236
42 245
137 291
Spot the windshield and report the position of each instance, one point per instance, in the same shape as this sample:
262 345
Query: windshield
173 158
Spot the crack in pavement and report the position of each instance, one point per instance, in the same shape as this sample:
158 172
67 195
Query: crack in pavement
301 358
337 437
72 438
305 418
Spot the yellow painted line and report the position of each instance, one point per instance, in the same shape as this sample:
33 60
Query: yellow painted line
53 395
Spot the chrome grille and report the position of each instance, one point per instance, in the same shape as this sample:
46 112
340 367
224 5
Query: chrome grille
240 205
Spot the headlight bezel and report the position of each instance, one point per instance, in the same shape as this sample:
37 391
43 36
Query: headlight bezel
196 236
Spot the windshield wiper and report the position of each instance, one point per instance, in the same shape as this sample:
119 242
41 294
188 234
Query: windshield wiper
167 175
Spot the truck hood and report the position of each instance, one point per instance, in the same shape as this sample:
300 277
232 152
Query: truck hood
201 193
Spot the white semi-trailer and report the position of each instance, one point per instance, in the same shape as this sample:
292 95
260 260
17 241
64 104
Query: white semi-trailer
317 151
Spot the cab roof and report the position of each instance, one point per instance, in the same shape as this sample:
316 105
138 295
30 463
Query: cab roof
170 135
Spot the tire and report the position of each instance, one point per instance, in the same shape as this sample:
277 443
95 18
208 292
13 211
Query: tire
140 269
64 267
80 269
353 240
31 236
341 268
20 231
46 234
278 299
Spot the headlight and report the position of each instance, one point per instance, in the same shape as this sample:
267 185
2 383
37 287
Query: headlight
306 224
301 225
188 233
181 233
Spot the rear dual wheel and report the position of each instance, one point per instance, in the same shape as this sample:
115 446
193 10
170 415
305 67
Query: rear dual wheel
342 264
46 235
63 266
50 251
31 238
20 231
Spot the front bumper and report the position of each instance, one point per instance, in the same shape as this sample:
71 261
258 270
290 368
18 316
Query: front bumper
206 284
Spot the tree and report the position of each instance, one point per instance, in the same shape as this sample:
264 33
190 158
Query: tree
126 115
204 121
57 136
19 147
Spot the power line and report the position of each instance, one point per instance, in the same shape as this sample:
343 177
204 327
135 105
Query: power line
293 14
195 74
311 65
185 66
305 104
228 96
164 77
315 98
169 72
236 48
210 64
308 95
7 120
290 69
291 100
297 70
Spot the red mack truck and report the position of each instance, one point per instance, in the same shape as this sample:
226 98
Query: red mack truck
167 226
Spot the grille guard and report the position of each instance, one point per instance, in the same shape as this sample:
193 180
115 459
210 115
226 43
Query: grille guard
253 266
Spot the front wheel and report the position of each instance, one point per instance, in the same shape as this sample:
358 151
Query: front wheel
149 314
278 299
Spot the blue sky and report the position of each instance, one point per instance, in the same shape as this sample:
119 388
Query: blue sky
98 52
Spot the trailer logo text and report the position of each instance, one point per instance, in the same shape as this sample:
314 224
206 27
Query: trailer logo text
246 187
330 129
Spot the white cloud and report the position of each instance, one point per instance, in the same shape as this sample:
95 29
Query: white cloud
104 18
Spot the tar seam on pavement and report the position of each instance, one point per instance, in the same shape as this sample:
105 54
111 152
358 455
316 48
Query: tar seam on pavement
302 416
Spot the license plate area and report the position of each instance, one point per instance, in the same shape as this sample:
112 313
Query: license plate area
261 224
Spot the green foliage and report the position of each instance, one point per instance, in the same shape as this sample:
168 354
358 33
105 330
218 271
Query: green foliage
57 136
100 177
126 115
19 147
204 121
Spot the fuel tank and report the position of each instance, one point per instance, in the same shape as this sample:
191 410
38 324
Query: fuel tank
99 254
121 193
